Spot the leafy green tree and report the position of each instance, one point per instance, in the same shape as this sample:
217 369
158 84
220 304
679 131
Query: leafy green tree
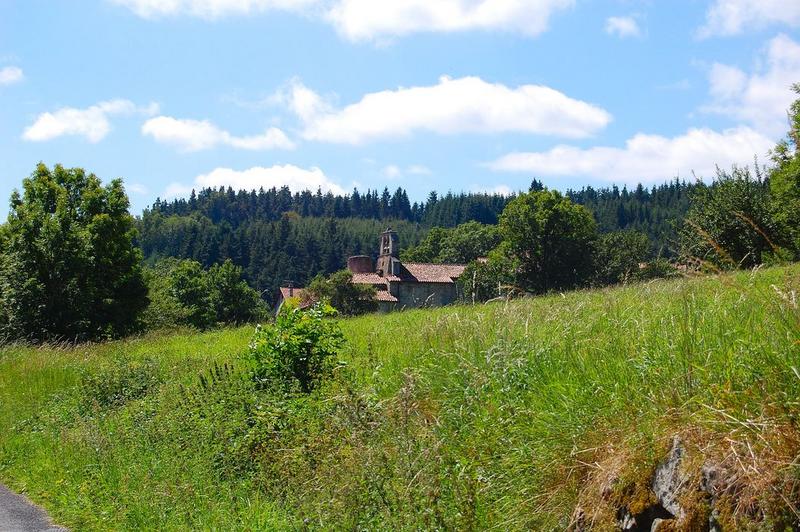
69 268
298 351
490 278
784 179
468 242
429 249
729 223
551 238
190 287
345 296
460 245
618 255
231 297
182 293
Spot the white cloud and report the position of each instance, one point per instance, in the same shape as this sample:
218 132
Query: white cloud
393 171
92 123
731 17
645 158
197 135
453 106
10 75
376 19
761 98
372 19
623 27
209 9
418 169
137 188
295 178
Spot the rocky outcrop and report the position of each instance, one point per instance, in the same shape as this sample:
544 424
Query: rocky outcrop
664 510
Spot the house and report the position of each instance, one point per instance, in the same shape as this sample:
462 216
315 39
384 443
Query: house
290 292
401 285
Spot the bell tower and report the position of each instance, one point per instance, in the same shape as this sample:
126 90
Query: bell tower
388 261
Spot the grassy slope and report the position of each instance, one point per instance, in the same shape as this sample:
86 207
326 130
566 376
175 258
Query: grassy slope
500 415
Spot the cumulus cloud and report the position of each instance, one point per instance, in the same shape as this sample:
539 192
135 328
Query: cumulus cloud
372 19
257 177
137 188
209 9
92 123
393 171
376 19
197 135
623 27
10 75
453 106
731 17
762 97
645 158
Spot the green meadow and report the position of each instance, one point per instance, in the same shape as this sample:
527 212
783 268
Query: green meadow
504 416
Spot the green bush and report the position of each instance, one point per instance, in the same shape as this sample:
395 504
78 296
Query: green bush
298 351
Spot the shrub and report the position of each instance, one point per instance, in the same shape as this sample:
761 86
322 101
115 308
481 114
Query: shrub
298 351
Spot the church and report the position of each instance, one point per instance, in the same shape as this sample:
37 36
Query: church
400 285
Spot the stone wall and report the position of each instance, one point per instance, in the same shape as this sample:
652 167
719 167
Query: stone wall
413 295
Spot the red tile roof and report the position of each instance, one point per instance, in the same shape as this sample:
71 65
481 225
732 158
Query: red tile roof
368 278
383 295
415 272
434 273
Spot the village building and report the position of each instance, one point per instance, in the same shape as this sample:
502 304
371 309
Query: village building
400 285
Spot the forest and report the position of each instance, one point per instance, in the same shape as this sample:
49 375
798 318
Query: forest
277 236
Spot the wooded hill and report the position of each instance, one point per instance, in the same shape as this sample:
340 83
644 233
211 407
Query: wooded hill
275 235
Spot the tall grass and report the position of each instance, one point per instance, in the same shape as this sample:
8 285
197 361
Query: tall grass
502 416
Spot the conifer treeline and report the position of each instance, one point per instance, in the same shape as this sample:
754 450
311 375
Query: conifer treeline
278 236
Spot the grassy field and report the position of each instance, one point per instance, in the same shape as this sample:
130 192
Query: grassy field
505 416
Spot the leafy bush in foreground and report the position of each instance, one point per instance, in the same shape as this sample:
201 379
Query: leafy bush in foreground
298 351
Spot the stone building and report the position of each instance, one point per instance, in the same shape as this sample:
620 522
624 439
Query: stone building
399 285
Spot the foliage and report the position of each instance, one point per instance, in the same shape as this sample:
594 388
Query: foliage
730 224
298 351
657 211
123 381
182 293
489 279
502 416
551 238
618 255
277 236
339 290
68 266
459 245
784 179
269 252
231 297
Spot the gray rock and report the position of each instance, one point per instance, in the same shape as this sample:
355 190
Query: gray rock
668 479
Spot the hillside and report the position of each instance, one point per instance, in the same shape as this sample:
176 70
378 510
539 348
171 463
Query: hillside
542 413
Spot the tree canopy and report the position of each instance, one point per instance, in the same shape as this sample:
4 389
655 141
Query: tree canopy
69 269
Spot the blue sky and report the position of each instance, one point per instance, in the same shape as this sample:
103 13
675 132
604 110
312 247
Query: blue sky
455 95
